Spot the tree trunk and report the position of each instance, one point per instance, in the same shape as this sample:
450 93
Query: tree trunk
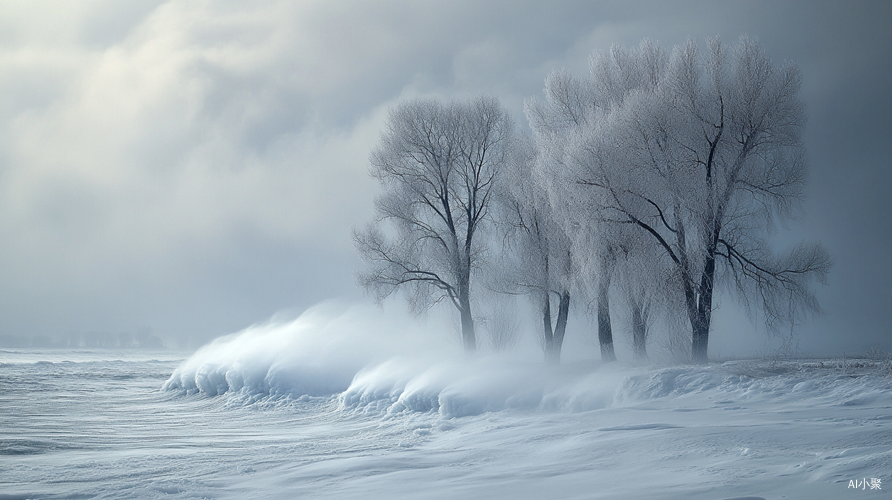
546 324
605 333
639 332
701 323
695 299
561 327
468 337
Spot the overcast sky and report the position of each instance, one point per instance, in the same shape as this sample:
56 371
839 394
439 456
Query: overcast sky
195 167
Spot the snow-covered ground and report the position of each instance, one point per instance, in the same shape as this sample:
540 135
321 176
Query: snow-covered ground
280 411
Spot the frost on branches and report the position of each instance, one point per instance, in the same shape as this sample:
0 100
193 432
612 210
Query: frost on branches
657 179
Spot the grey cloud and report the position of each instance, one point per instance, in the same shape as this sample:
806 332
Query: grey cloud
197 166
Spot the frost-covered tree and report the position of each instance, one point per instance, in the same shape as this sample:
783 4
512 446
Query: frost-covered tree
703 159
438 164
646 285
572 110
537 260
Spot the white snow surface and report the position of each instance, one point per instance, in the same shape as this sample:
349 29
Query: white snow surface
301 409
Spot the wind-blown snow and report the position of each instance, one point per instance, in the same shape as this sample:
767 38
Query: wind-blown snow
372 365
464 387
316 354
423 425
346 403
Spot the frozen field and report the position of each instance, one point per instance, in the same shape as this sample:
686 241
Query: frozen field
241 420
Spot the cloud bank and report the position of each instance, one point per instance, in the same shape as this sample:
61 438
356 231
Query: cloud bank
195 166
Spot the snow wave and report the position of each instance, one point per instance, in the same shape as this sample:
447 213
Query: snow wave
463 387
474 386
372 363
316 354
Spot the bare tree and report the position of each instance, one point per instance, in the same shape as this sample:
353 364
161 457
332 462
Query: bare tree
438 164
573 105
636 280
702 161
537 259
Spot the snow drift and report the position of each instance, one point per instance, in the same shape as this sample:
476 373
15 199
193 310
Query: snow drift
370 364
406 424
374 362
462 387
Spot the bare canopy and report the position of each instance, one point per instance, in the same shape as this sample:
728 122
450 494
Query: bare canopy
703 160
437 164
537 258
